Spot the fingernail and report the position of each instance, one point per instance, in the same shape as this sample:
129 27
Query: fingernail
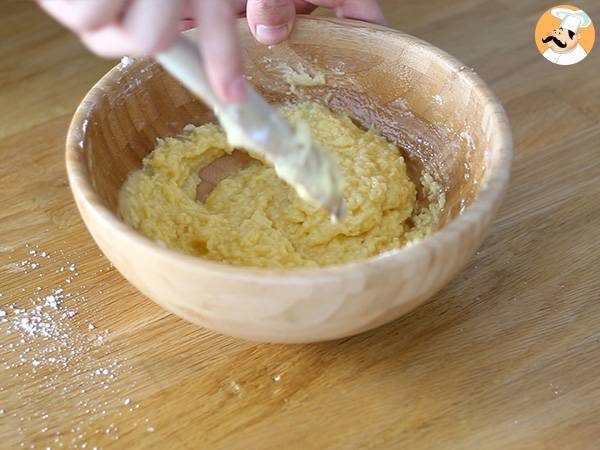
271 34
235 91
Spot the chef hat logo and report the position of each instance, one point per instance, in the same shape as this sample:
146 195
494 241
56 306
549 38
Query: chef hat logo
572 20
565 35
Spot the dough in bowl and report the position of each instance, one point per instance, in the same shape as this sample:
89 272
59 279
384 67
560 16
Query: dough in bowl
252 218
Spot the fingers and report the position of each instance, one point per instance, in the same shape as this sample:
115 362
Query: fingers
152 24
270 21
113 28
84 15
187 20
304 7
239 7
110 42
366 10
218 40
147 27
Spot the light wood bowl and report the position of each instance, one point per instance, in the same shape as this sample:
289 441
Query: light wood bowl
442 114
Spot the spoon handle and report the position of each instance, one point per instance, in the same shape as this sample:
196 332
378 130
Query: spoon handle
257 126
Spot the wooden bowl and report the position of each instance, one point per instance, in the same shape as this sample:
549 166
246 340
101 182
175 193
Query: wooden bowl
441 113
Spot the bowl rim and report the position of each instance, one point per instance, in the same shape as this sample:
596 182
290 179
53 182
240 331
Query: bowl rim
491 192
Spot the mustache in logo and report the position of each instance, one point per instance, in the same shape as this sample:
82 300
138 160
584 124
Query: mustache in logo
555 40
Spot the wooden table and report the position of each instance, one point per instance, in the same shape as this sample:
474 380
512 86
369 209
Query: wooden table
507 356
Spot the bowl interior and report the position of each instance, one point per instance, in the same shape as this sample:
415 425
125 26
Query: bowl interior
413 94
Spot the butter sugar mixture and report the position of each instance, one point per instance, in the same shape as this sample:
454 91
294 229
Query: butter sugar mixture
252 218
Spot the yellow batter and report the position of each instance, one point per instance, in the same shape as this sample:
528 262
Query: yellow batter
253 218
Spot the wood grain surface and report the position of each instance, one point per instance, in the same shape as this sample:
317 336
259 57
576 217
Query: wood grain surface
507 356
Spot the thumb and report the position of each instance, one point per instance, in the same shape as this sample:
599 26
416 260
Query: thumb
270 21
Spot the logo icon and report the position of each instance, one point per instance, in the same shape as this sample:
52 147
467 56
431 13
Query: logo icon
565 35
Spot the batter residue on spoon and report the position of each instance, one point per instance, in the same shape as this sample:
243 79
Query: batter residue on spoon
254 219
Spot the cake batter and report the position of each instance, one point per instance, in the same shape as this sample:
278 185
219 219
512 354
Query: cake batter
254 219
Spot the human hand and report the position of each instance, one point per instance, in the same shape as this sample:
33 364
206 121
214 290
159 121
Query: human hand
113 28
271 20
